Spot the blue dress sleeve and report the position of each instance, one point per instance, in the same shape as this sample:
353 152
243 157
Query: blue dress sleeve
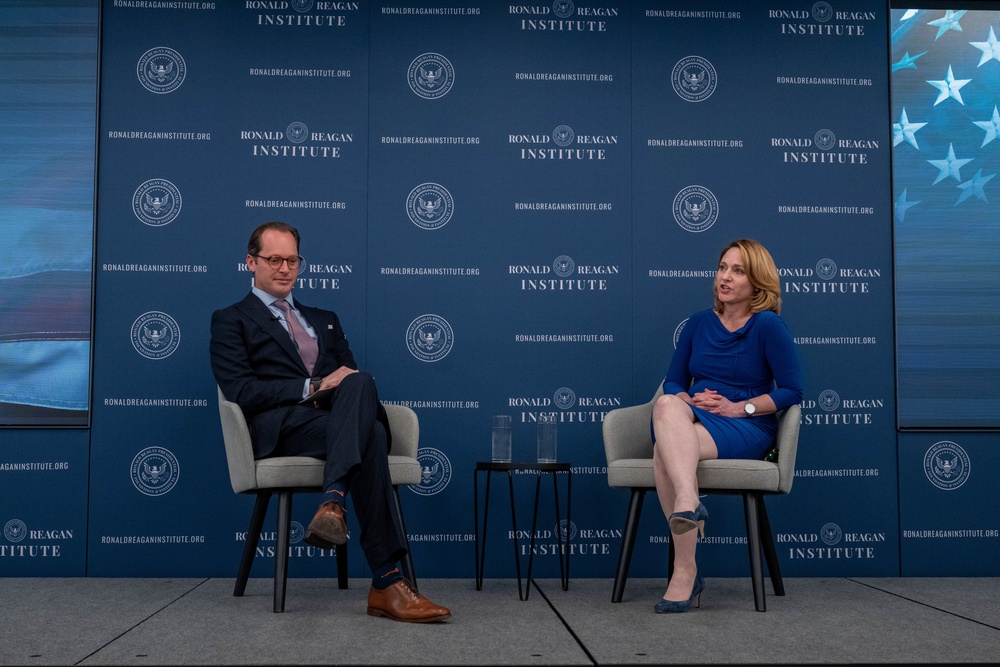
678 377
783 360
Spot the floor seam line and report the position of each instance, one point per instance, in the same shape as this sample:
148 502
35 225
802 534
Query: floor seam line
562 620
136 625
924 604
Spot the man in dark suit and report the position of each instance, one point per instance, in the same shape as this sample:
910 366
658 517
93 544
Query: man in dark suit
270 352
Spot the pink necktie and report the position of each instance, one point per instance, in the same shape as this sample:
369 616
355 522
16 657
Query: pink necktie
307 347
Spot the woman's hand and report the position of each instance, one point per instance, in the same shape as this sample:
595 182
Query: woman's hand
714 402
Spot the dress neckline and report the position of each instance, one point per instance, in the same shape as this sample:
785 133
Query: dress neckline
739 329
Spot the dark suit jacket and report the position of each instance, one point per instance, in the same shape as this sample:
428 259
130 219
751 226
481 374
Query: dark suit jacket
256 365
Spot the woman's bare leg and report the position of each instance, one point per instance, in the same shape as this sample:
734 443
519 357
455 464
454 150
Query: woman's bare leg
680 444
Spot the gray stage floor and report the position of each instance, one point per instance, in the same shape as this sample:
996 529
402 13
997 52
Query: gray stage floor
198 622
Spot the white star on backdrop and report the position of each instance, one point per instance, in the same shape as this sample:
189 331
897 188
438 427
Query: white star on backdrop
990 49
949 87
974 187
906 131
948 22
907 62
902 205
949 166
991 126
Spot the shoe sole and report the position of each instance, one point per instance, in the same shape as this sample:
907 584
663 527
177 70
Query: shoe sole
333 534
372 611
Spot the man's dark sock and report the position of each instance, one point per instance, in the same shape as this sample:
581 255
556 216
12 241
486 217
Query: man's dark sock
336 492
386 575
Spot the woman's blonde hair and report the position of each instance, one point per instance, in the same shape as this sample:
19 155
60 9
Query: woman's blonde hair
762 273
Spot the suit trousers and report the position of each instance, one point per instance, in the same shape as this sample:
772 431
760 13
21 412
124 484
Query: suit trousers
353 442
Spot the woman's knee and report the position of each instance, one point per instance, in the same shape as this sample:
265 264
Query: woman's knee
669 407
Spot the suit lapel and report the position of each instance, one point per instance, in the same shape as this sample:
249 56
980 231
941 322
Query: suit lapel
261 315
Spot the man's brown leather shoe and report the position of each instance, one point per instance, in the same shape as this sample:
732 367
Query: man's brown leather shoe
401 603
328 527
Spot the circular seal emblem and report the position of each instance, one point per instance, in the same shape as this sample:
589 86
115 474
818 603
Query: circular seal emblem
563 8
566 530
825 140
695 208
155 471
829 400
15 530
297 132
295 533
830 534
564 266
430 338
822 12
946 465
430 206
161 70
435 472
302 6
564 398
678 330
155 335
431 76
157 202
826 269
694 79
563 135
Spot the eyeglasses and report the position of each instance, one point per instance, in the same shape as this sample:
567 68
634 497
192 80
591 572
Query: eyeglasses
275 262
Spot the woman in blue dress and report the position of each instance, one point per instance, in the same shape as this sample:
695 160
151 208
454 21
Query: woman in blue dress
734 367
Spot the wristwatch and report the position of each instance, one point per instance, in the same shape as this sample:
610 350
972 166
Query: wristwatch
749 408
314 384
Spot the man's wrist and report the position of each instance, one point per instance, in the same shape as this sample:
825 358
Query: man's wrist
314 384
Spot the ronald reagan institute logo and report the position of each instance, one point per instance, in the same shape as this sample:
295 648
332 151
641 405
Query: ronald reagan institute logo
431 76
430 338
161 70
430 206
155 335
157 202
155 471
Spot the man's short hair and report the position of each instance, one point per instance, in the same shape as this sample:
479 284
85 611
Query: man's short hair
256 242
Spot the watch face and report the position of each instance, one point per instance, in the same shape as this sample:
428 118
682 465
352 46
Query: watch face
750 408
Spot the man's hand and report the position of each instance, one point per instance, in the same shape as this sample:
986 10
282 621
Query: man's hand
334 379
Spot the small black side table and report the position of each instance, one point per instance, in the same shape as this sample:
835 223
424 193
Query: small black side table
489 468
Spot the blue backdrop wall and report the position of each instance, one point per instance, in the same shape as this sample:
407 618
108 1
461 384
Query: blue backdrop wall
514 208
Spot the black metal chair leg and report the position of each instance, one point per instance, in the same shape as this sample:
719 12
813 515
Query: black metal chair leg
770 554
407 563
281 554
253 537
750 504
341 551
628 542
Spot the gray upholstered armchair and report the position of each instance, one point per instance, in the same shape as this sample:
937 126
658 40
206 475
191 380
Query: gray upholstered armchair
629 448
285 475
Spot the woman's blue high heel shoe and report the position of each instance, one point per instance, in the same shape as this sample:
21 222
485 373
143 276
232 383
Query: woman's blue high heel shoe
682 522
681 606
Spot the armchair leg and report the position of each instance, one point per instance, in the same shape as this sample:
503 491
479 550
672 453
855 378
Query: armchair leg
751 501
341 551
770 554
250 545
281 553
407 564
628 542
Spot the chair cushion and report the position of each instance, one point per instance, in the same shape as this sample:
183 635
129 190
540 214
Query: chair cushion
289 472
631 472
404 470
727 474
722 475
